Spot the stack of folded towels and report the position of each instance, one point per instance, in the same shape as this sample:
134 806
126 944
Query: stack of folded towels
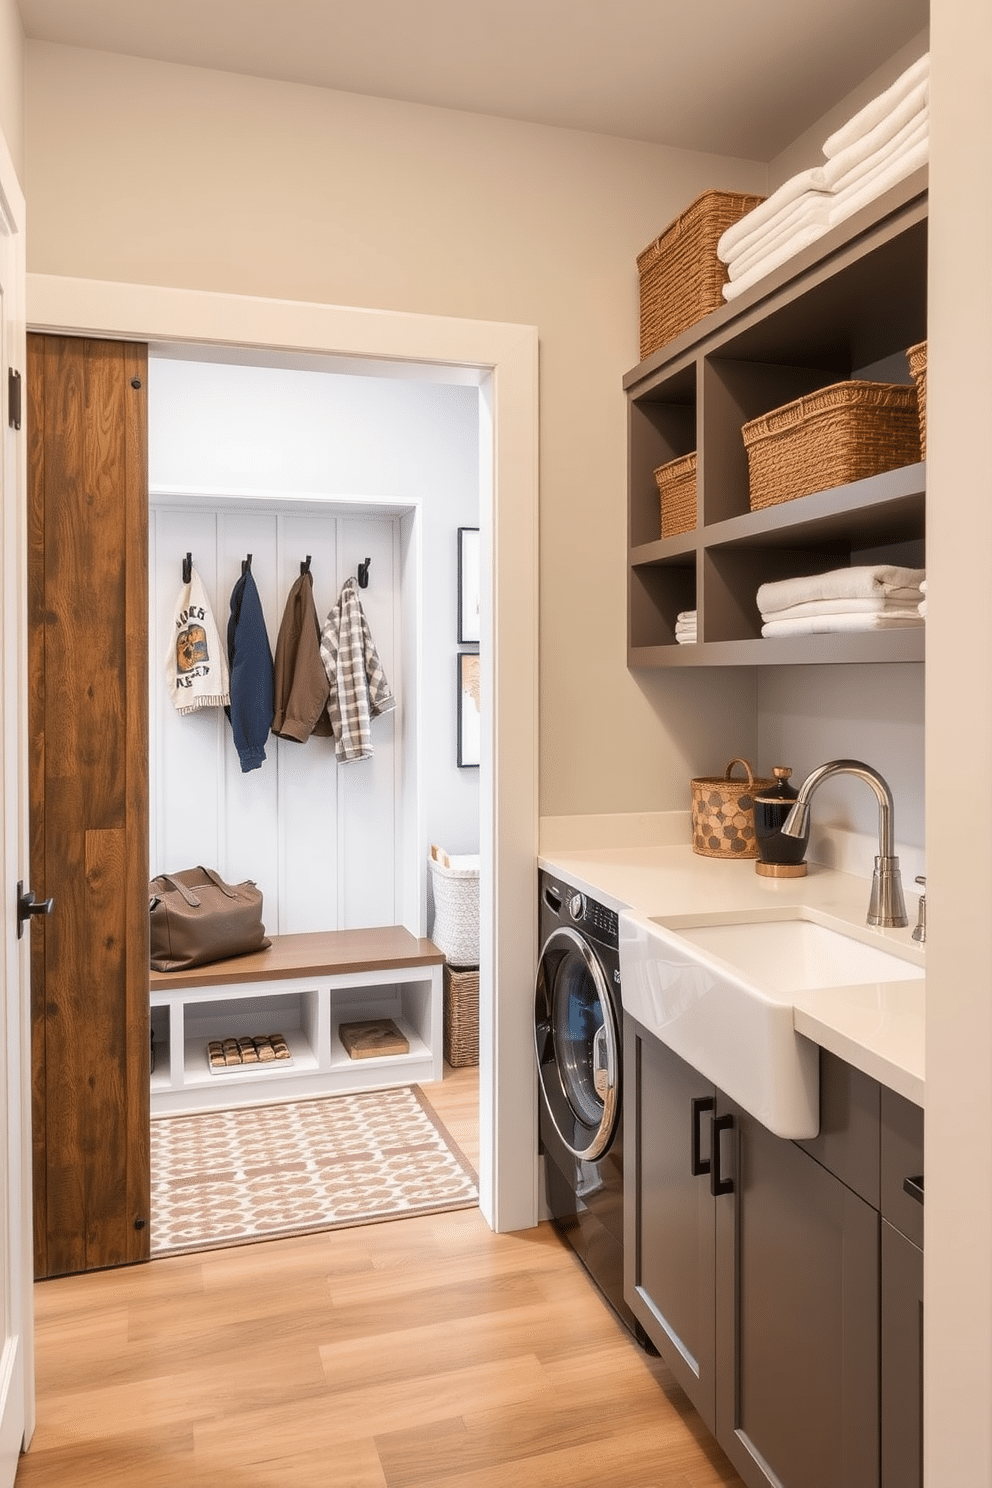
885 141
685 627
922 606
875 597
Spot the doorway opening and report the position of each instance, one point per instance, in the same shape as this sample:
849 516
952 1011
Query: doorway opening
503 360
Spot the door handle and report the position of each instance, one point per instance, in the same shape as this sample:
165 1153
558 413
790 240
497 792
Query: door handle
914 1187
698 1165
718 1184
28 905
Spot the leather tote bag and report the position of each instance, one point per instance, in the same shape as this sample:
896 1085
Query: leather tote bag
197 918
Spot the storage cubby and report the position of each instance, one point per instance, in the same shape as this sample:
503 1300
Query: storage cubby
291 1012
849 307
304 987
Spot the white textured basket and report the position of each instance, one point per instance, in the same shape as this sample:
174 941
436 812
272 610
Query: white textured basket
456 907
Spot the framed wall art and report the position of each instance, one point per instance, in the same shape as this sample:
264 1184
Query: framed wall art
469 631
469 714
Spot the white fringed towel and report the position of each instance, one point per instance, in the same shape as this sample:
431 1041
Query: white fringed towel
863 581
196 670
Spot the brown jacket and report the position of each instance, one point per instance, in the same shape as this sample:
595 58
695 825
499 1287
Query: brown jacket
301 684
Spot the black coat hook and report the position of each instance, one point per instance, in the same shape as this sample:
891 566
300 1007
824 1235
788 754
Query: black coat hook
187 568
363 574
305 567
246 565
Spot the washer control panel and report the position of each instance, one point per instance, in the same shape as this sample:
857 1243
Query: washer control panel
569 903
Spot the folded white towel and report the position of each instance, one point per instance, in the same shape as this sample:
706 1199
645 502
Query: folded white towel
853 164
923 586
795 243
889 173
878 604
757 242
839 624
863 581
758 218
922 607
879 109
685 627
813 208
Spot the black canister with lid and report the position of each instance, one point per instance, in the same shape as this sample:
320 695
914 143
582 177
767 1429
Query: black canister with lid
778 856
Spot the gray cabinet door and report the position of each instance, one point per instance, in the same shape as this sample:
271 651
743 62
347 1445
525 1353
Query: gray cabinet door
668 1218
902 1361
797 1305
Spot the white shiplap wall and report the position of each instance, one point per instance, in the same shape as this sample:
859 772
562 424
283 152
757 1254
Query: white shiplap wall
322 840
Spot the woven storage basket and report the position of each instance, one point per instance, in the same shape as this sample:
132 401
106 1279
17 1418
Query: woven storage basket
829 438
723 813
681 277
461 1017
916 356
677 492
456 907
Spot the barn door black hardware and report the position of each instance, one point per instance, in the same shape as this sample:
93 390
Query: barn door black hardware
13 398
28 905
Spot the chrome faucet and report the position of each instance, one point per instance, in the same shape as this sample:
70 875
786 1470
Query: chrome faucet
886 906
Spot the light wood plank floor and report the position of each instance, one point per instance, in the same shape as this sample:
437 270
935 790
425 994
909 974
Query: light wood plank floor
421 1353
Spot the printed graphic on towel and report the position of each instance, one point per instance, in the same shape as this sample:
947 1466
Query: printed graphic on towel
192 654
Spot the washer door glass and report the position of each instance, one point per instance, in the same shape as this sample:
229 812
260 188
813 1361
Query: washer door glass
577 1045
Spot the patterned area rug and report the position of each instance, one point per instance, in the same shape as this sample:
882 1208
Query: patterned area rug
232 1177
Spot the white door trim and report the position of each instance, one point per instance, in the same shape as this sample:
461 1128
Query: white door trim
16 1260
506 357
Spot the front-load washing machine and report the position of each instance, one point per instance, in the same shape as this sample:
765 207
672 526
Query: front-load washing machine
578 1028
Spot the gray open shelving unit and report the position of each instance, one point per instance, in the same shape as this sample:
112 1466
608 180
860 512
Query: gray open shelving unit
849 306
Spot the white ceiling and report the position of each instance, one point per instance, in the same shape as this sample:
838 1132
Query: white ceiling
737 77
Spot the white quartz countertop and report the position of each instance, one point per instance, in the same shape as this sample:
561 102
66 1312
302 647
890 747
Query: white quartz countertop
877 1028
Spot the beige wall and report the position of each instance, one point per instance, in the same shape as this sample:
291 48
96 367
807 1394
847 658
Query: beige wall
178 176
12 83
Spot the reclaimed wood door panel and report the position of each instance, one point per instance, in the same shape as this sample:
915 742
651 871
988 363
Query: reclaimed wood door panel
88 588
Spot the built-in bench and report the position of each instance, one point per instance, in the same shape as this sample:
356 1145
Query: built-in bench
303 986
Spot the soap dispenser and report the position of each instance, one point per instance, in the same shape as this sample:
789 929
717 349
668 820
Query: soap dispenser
778 856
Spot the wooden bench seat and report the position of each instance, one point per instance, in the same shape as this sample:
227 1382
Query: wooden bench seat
313 953
304 987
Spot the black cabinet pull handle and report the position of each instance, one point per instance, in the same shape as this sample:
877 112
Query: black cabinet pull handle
698 1165
718 1184
914 1187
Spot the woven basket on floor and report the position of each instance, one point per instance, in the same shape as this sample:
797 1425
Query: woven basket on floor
676 482
681 277
461 1017
839 434
917 359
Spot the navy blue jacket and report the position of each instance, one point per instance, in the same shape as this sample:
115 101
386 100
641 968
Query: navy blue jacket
252 690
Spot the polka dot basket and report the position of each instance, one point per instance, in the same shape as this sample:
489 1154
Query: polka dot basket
723 813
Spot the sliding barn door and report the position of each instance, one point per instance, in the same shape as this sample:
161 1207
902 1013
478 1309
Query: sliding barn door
88 716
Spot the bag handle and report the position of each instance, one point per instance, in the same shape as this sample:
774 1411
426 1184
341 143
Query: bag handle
187 893
747 767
